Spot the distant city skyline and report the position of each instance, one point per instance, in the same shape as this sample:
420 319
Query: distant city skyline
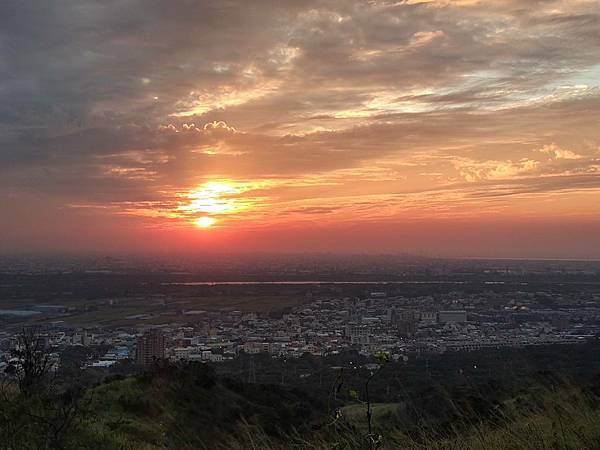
442 128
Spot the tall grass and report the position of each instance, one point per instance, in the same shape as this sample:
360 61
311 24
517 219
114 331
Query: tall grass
548 419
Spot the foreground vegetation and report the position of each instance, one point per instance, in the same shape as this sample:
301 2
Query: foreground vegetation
188 406
377 404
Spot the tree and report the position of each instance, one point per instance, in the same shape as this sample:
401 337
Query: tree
32 361
41 413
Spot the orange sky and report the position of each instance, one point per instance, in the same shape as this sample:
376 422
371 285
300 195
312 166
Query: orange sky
452 128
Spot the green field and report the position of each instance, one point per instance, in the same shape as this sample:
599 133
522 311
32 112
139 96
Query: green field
98 312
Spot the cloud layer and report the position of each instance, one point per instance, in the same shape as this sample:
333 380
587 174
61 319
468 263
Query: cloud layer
320 113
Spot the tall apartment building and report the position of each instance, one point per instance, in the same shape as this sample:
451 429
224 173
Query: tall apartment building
150 347
407 328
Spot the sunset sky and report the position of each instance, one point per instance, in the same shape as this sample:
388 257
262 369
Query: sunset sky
444 128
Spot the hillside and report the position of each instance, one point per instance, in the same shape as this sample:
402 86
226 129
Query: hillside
189 407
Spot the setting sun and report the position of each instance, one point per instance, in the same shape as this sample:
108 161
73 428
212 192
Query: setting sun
205 222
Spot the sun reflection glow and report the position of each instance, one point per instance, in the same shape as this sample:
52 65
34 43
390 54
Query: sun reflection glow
205 222
213 200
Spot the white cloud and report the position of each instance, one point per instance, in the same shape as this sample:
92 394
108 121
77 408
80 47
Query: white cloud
558 153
